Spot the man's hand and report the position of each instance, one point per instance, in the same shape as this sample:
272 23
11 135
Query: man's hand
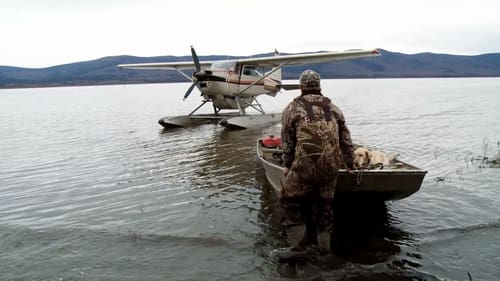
285 171
350 171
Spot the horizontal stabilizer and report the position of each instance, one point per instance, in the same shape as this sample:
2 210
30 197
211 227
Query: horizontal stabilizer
289 87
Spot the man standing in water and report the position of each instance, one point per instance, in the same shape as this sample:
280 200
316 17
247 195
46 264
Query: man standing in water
314 134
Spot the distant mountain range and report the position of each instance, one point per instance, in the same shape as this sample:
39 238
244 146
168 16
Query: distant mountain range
103 71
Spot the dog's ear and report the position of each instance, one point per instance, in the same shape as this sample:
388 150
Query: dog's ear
368 156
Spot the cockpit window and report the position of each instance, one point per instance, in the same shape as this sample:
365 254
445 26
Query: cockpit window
251 71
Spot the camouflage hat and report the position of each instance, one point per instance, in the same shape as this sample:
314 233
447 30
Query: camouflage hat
310 80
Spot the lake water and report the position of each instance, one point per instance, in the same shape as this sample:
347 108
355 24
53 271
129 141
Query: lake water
92 188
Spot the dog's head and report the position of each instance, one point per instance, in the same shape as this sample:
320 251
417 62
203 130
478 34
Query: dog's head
361 157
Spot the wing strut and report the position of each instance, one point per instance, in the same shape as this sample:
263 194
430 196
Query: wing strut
184 74
196 109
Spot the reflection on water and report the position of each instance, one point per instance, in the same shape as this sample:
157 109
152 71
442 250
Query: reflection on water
365 232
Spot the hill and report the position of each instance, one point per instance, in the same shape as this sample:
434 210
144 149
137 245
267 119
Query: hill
103 71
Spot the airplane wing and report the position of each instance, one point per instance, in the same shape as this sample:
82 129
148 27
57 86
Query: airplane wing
166 65
308 58
271 61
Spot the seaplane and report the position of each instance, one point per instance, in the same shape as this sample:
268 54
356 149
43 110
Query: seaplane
232 86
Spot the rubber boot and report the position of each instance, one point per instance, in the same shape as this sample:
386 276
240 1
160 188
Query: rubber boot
324 242
298 238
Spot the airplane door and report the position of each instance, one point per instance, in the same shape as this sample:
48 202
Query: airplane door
250 74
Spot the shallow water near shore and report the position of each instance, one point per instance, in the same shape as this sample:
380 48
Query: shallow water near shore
92 188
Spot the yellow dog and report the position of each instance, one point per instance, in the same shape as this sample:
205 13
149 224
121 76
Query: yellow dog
367 158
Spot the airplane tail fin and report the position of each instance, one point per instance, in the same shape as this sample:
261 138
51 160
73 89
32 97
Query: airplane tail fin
276 75
273 81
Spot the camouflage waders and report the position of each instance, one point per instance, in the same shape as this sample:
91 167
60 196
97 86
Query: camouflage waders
312 153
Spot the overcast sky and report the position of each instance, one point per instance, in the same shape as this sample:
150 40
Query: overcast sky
41 33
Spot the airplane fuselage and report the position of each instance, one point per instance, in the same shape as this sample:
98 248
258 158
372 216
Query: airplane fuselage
224 86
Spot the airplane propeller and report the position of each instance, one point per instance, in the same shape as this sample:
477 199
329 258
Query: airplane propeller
195 59
195 74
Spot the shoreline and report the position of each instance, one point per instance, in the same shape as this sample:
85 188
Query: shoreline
57 85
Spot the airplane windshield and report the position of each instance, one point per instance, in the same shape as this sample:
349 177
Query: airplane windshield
226 65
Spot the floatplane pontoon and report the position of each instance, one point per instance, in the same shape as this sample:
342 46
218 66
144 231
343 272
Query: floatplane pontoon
235 84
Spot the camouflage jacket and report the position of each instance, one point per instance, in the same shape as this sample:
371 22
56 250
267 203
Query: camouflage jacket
295 112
